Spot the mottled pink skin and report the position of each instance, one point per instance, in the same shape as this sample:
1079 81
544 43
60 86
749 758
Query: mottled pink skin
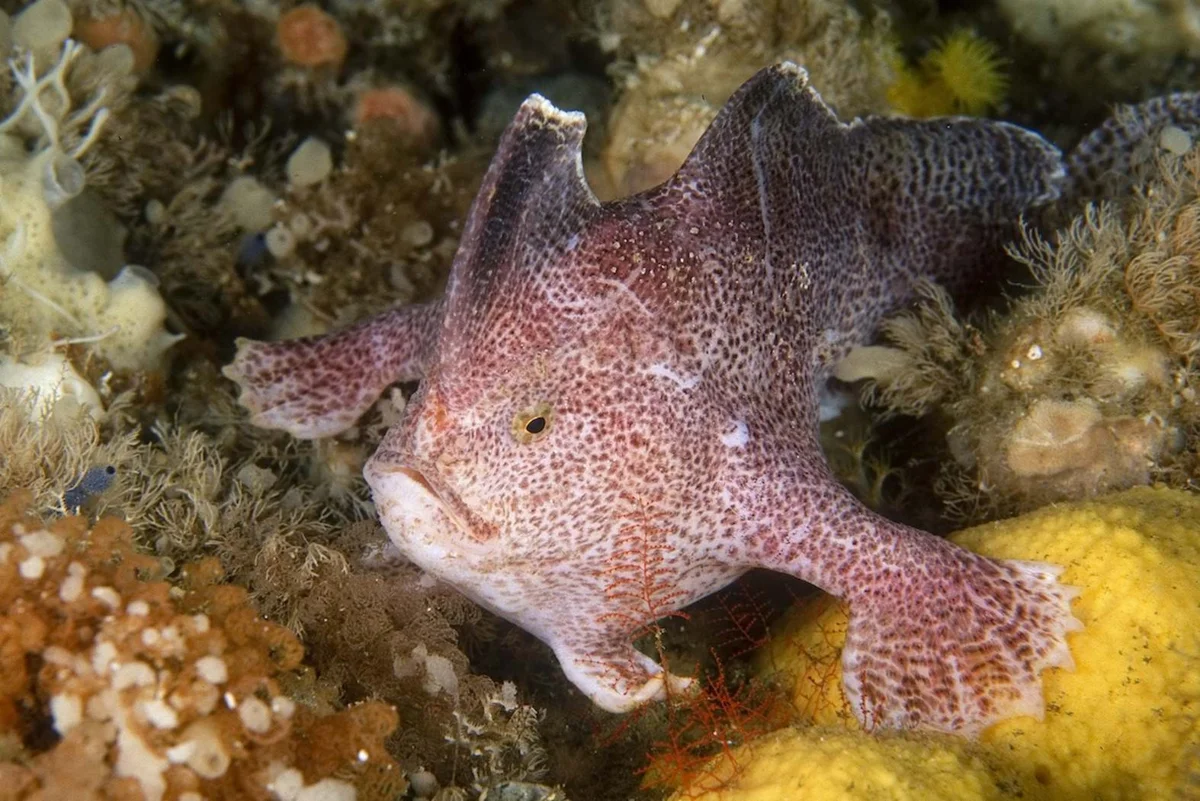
674 342
318 386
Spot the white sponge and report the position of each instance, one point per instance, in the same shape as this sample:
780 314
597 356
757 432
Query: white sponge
43 296
53 384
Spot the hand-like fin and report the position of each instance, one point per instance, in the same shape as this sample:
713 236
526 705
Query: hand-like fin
939 638
319 386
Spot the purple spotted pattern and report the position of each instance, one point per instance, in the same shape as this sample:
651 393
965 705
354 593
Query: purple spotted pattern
616 413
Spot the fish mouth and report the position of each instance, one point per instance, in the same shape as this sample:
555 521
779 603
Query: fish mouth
448 503
418 478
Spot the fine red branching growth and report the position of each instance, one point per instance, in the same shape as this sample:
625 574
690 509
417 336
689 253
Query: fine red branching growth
745 616
806 661
705 729
639 580
708 722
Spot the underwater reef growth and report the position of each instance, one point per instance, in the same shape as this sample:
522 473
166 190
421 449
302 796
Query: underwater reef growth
308 37
374 630
1108 46
99 27
705 730
962 74
379 230
678 61
1121 723
117 683
386 631
1088 382
51 294
1167 28
84 144
51 445
183 167
837 765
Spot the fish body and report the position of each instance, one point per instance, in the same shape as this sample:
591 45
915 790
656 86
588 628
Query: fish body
617 407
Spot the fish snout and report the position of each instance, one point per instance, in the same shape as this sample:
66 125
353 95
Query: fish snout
412 486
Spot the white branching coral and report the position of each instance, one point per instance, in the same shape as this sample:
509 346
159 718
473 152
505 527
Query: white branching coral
503 741
51 117
43 296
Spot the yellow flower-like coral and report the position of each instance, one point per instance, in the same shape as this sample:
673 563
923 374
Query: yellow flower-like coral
1125 724
964 74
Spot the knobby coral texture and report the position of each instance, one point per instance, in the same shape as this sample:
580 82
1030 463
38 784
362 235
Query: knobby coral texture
117 683
372 629
661 354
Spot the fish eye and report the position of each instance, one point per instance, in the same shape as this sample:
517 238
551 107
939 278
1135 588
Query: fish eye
532 424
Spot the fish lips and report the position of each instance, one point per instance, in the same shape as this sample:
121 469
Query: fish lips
418 489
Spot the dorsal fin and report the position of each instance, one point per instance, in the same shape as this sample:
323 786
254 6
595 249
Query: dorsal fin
533 196
764 167
862 209
776 101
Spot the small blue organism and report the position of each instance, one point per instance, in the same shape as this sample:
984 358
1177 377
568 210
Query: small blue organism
253 252
93 482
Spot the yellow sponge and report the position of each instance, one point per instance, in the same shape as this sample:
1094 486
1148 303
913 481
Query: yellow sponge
1125 724
1120 725
822 764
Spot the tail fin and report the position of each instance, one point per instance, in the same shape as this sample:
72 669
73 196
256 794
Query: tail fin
944 196
1106 162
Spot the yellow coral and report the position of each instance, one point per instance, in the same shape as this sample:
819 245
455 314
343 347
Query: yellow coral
1123 724
964 74
1118 726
